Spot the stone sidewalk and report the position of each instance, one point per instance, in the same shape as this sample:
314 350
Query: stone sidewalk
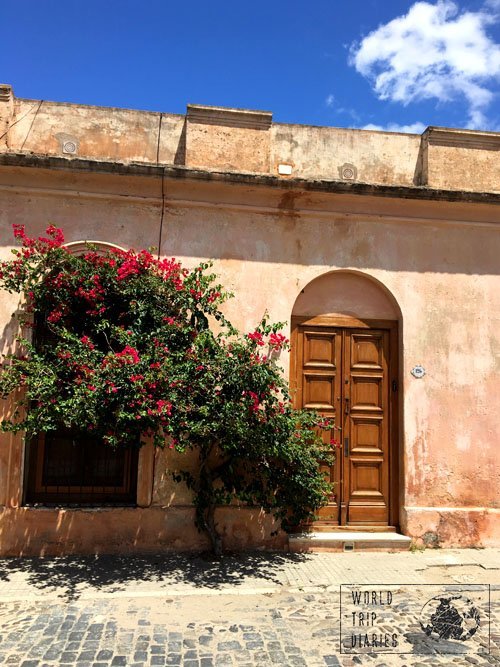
92 577
250 609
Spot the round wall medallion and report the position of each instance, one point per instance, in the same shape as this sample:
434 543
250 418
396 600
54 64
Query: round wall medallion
69 147
418 371
348 172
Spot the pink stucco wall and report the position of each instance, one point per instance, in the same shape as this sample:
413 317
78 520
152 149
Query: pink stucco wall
432 265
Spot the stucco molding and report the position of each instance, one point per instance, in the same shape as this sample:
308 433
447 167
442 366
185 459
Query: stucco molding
60 163
126 199
247 118
444 136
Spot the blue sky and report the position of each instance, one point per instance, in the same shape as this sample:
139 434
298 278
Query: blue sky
385 64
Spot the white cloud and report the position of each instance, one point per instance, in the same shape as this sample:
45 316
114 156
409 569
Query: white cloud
348 111
330 100
433 52
413 128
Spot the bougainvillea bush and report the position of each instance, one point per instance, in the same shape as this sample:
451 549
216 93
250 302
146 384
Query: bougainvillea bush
127 347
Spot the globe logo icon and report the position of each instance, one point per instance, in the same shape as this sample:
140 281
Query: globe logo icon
450 617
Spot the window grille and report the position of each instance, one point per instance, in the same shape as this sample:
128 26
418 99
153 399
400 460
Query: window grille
66 467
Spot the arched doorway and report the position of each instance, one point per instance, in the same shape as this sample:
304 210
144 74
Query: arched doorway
344 363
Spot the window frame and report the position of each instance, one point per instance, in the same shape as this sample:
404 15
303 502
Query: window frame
39 492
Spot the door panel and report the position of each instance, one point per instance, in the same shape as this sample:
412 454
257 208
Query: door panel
320 349
319 391
366 466
319 357
343 373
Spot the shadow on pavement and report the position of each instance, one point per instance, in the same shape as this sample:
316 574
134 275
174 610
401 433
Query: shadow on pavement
71 574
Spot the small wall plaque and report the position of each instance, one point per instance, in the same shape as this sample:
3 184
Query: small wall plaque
418 372
348 172
69 147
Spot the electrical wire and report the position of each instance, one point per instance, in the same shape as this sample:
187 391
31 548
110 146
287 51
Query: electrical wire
20 119
29 129
163 194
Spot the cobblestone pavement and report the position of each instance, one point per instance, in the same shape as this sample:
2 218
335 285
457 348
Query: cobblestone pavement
253 609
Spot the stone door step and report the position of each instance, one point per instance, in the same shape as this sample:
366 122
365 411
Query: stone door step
329 527
347 541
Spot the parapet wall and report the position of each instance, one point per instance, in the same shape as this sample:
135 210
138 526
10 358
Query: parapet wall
240 140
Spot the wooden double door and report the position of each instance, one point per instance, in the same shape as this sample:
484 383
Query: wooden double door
346 369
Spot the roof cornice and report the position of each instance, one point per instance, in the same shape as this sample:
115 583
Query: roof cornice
31 160
247 118
445 136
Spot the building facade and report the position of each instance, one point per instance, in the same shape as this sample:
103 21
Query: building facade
381 251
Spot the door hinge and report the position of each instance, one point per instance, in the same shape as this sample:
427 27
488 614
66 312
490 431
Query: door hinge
394 385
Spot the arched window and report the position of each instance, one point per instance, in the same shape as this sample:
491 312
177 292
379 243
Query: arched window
74 467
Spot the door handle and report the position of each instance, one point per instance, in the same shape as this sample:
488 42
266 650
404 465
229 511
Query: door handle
346 405
346 447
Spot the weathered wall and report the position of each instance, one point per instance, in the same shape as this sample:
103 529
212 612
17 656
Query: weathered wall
239 140
432 264
463 159
227 139
101 133
50 532
437 263
443 276
321 152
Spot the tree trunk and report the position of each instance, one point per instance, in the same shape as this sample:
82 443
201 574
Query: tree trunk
206 505
211 529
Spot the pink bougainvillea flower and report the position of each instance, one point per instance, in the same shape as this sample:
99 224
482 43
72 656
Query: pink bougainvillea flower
256 337
164 406
276 341
129 355
87 342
